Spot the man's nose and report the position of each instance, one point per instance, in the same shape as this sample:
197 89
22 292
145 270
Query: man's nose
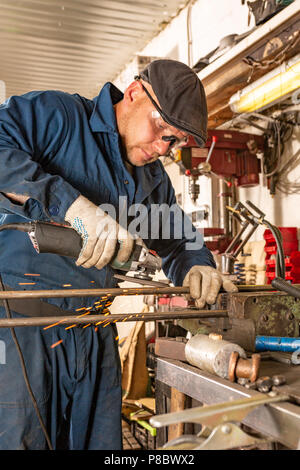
161 147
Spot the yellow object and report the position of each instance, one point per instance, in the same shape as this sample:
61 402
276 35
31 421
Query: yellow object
177 155
278 83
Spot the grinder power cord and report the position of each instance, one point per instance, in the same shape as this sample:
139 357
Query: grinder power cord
24 371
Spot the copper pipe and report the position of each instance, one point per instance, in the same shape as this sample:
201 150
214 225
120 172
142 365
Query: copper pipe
112 318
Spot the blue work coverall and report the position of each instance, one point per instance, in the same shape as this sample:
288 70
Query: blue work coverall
53 147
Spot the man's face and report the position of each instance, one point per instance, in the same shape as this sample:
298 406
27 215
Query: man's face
146 134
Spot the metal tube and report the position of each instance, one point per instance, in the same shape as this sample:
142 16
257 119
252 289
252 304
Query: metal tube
113 291
277 343
113 318
241 246
237 238
57 293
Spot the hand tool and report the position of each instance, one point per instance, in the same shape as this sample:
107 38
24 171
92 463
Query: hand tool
49 237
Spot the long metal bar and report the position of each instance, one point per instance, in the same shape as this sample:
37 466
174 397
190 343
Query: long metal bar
113 318
115 291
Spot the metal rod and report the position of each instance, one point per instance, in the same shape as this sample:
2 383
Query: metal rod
243 243
112 318
113 291
57 293
237 238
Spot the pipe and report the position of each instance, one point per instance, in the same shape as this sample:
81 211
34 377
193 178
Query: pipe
115 291
112 318
276 343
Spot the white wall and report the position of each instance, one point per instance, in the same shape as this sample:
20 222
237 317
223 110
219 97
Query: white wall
210 22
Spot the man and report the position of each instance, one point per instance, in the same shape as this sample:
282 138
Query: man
61 158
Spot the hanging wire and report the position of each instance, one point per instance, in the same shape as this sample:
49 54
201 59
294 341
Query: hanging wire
24 370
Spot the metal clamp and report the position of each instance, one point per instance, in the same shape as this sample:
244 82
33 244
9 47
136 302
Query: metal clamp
219 419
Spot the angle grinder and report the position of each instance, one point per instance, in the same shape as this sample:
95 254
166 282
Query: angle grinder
49 237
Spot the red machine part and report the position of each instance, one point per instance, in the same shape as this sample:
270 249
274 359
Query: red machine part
234 155
290 244
219 241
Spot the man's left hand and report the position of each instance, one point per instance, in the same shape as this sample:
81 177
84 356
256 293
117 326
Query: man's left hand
205 282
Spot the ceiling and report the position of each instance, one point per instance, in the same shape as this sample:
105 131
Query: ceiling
74 45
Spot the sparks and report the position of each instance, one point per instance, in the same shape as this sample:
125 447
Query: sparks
82 315
56 344
26 283
71 326
53 324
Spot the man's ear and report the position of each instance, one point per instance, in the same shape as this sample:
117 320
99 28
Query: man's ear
133 91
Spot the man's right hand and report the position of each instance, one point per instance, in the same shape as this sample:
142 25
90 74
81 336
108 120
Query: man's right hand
100 234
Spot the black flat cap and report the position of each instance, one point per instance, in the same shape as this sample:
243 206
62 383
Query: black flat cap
181 96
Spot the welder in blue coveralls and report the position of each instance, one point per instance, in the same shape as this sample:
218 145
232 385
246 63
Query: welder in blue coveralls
61 157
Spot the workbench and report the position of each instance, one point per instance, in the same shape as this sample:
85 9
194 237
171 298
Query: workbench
279 421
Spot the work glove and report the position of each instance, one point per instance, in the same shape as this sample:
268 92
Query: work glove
204 283
100 234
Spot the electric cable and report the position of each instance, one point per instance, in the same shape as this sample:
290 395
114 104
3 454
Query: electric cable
281 284
278 150
21 227
24 370
283 184
280 262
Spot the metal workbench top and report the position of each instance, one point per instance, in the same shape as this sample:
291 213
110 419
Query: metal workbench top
280 421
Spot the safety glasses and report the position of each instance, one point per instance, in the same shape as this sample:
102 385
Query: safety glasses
166 132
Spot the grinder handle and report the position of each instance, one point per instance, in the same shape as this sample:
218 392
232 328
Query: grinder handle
57 239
